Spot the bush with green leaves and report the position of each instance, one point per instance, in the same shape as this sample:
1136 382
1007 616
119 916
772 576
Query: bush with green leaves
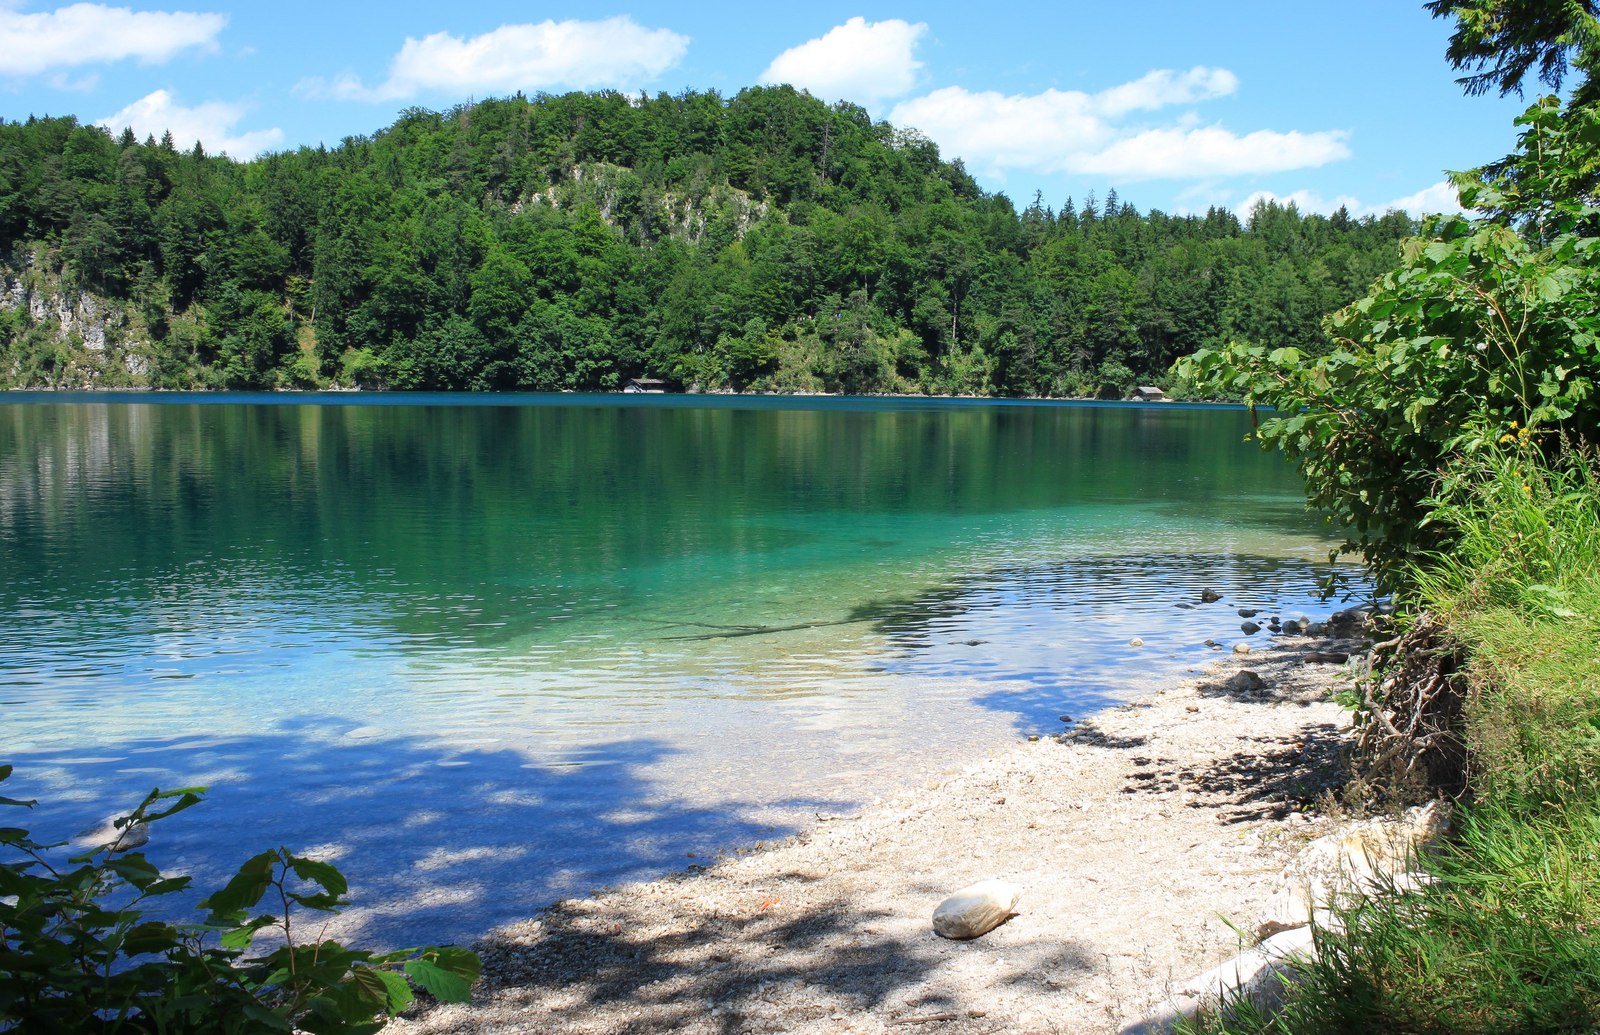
1488 321
80 951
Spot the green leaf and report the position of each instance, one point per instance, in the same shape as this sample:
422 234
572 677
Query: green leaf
1439 251
187 797
135 869
441 983
399 990
246 887
369 991
325 874
322 902
240 937
261 1015
149 937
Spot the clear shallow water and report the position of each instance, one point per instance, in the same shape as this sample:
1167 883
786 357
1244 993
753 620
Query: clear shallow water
488 652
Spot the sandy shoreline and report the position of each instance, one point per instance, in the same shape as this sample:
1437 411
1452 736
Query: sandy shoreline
1139 836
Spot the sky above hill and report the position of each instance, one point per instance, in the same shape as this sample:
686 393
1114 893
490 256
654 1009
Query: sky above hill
1177 105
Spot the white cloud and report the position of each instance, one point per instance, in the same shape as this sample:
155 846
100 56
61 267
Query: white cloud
858 61
1211 151
210 123
615 52
1070 131
1164 87
1440 198
1306 201
995 132
88 34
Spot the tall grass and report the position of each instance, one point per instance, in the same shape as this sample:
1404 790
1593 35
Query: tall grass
1521 590
1506 940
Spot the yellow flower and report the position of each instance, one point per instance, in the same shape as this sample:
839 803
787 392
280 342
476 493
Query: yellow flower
1508 437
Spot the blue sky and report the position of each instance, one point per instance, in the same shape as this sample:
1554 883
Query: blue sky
1176 105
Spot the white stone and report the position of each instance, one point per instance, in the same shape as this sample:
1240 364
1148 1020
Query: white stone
106 834
976 910
1361 859
1256 976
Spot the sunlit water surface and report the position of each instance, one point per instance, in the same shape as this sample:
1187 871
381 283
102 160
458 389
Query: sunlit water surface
486 653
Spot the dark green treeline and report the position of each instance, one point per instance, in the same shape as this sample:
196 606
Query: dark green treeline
765 241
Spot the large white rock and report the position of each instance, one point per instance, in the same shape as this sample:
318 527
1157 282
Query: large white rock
1257 976
976 910
1359 860
106 834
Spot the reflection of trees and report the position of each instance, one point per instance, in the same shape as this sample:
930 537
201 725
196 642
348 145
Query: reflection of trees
512 503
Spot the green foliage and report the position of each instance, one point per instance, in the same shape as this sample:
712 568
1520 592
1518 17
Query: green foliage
80 953
1480 326
570 242
1521 588
1504 40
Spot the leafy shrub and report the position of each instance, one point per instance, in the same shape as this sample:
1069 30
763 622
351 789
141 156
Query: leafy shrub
1486 321
80 953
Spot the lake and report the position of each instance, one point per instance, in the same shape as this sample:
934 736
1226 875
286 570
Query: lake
485 652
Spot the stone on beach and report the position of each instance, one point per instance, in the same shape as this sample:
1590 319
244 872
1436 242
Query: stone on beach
1245 681
976 910
1362 859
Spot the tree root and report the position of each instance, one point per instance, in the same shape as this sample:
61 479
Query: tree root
1409 742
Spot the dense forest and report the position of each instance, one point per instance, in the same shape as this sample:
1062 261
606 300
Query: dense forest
766 241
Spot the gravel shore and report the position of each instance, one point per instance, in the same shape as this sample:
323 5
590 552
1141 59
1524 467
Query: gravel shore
1147 838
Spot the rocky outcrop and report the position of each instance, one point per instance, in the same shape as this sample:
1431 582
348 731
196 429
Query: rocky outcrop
100 342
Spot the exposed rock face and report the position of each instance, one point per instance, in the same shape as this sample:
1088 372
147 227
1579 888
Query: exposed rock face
976 910
105 343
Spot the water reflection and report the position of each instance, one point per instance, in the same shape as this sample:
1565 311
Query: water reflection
725 607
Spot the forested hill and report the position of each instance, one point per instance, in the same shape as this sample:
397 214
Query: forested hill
763 241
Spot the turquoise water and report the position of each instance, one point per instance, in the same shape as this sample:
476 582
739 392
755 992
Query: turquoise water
486 652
